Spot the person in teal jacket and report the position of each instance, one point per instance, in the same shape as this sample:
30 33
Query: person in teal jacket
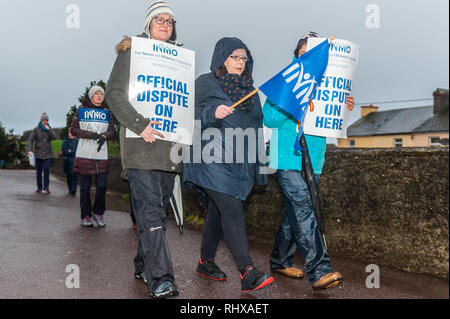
299 228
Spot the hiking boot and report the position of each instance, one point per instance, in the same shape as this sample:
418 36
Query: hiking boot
86 222
141 275
99 220
291 272
164 290
329 280
253 279
209 269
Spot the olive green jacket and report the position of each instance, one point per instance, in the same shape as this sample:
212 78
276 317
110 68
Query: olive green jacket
135 152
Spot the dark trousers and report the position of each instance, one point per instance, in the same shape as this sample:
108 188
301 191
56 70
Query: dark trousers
72 182
85 195
225 218
43 165
299 229
150 196
132 216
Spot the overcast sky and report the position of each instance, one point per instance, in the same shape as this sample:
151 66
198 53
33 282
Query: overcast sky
46 62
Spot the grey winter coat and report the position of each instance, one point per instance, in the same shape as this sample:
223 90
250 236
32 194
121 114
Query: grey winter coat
42 139
135 152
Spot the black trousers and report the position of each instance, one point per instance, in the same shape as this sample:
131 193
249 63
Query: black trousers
85 195
72 182
150 196
225 218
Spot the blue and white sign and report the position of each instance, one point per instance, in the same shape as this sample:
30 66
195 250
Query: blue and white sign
329 116
162 87
95 121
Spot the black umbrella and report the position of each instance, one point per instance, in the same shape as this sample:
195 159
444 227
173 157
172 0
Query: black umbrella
313 187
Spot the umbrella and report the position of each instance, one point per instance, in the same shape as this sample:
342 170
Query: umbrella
176 201
313 187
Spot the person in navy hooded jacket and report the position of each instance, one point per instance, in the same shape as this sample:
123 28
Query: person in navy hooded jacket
227 182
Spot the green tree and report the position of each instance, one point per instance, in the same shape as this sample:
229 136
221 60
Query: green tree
10 147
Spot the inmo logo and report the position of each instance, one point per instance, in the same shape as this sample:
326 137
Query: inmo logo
166 50
339 47
304 86
95 115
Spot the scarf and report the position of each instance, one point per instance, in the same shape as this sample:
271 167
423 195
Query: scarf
42 126
237 87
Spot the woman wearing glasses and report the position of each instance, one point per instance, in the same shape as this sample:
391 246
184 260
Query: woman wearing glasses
146 161
220 175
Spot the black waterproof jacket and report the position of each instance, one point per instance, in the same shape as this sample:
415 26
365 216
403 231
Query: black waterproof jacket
69 148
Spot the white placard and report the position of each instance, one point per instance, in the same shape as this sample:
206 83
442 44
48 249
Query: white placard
162 87
32 159
95 121
330 114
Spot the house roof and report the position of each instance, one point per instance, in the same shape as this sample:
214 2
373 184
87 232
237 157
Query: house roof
400 121
437 123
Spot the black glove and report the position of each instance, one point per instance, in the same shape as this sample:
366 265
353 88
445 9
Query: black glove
95 136
100 139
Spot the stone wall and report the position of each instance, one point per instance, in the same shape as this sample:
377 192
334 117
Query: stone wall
115 181
383 206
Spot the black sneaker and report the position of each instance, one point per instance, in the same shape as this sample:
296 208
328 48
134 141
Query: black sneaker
164 290
253 279
141 275
209 269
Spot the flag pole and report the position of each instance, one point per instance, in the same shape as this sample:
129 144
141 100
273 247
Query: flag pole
244 98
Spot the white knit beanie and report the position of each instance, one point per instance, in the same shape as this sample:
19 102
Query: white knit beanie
95 89
158 7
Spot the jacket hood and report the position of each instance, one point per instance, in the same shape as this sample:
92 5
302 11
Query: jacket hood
224 48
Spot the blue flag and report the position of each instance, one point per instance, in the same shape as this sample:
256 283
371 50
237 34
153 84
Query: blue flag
294 86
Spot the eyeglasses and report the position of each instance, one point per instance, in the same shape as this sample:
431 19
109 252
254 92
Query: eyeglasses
161 21
239 58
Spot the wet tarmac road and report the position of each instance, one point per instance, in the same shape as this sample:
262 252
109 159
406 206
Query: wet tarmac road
40 235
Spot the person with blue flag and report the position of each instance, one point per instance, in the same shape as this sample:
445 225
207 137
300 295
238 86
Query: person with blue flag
299 229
